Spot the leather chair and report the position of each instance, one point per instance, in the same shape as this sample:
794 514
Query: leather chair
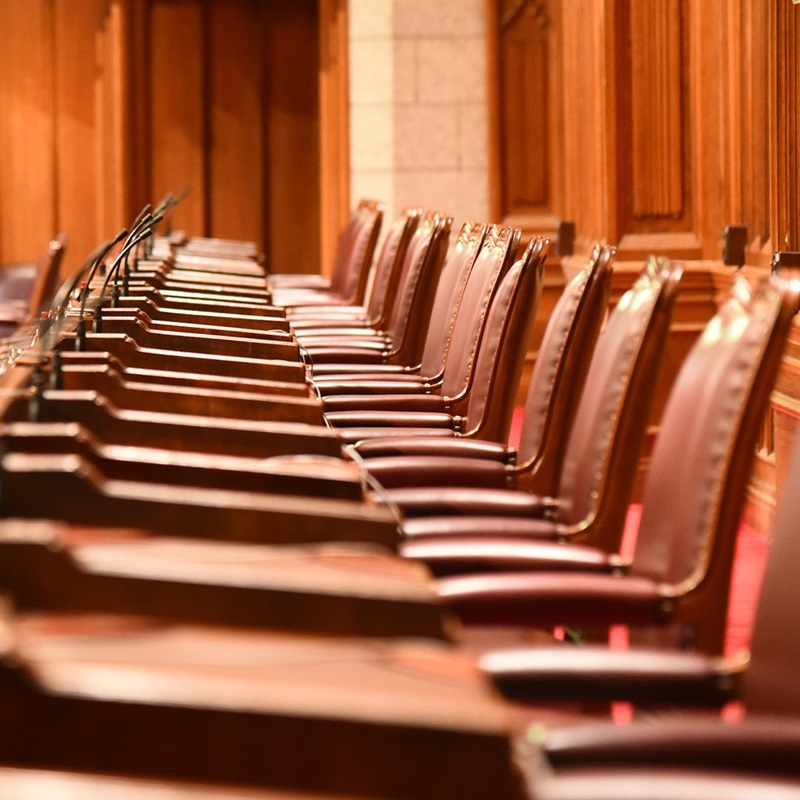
601 455
678 580
381 292
459 333
407 326
348 282
555 389
474 380
765 744
449 290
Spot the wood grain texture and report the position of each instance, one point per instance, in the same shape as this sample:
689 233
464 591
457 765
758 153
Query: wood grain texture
177 91
27 154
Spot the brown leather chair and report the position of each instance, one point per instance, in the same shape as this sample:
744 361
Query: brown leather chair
764 744
449 290
407 326
467 401
678 579
348 282
461 342
555 389
381 291
601 455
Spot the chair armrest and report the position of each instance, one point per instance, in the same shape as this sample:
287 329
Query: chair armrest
389 419
410 400
418 471
358 332
295 280
517 528
374 383
548 599
331 314
378 344
419 446
352 355
335 371
469 555
351 436
594 673
759 743
452 500
623 782
304 298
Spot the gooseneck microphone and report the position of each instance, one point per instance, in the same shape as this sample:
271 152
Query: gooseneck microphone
80 342
145 230
142 221
50 329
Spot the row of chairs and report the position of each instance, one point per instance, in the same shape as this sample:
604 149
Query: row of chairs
749 332
121 418
517 555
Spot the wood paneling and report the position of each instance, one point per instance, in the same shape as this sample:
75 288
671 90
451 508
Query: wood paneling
27 152
177 92
785 125
589 121
292 136
754 197
108 104
652 120
334 119
678 117
236 130
78 173
525 121
525 106
657 118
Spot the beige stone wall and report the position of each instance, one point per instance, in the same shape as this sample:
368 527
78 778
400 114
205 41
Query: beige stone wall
418 105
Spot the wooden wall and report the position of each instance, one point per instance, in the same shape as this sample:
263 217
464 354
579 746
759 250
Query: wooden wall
653 125
108 104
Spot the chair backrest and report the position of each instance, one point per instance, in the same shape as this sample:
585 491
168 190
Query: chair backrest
452 282
422 265
504 345
558 376
386 271
47 277
770 683
701 463
30 287
602 453
497 254
356 251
